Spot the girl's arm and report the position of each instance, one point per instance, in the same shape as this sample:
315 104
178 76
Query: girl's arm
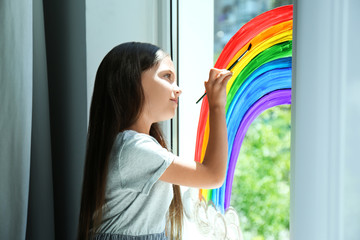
211 173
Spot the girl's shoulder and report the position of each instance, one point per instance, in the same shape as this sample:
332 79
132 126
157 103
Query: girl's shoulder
131 137
130 142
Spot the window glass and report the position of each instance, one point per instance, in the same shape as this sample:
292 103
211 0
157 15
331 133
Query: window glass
261 187
231 15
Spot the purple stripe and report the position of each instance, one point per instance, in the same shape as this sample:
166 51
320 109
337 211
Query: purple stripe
275 98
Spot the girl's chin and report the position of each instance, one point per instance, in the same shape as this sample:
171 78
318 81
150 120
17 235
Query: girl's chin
167 117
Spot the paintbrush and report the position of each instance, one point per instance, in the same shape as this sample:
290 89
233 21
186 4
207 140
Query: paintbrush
229 69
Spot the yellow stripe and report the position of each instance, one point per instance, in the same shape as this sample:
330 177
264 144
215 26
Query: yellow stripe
255 50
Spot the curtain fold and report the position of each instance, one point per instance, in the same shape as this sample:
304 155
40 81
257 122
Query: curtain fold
40 222
15 111
43 117
65 34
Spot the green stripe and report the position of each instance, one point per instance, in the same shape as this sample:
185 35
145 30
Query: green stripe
280 50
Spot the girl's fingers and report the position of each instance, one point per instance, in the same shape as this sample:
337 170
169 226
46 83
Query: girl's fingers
227 77
224 76
219 76
213 73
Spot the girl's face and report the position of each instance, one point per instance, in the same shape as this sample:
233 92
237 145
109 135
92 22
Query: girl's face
160 90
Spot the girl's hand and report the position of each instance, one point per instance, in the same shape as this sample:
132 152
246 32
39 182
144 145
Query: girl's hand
211 172
215 158
216 87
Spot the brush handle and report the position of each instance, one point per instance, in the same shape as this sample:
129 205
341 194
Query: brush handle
201 98
231 67
237 60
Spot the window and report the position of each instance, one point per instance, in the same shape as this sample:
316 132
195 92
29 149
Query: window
261 187
197 37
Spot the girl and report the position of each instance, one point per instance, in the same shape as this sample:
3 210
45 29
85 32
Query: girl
128 170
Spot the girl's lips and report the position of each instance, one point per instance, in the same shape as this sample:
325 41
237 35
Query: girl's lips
174 100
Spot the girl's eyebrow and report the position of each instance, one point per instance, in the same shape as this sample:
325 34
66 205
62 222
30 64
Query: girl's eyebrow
167 70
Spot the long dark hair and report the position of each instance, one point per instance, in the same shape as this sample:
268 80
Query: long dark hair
116 104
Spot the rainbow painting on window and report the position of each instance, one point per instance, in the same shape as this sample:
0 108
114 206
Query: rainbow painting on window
261 80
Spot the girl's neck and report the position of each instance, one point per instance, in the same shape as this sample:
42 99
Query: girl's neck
141 126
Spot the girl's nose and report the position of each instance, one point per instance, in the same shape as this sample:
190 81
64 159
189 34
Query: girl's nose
177 90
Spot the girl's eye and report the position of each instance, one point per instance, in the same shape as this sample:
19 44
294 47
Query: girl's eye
168 77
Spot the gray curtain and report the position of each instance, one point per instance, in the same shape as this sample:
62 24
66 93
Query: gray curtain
43 117
15 115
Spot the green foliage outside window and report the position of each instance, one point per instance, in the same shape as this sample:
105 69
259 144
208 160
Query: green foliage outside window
261 188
